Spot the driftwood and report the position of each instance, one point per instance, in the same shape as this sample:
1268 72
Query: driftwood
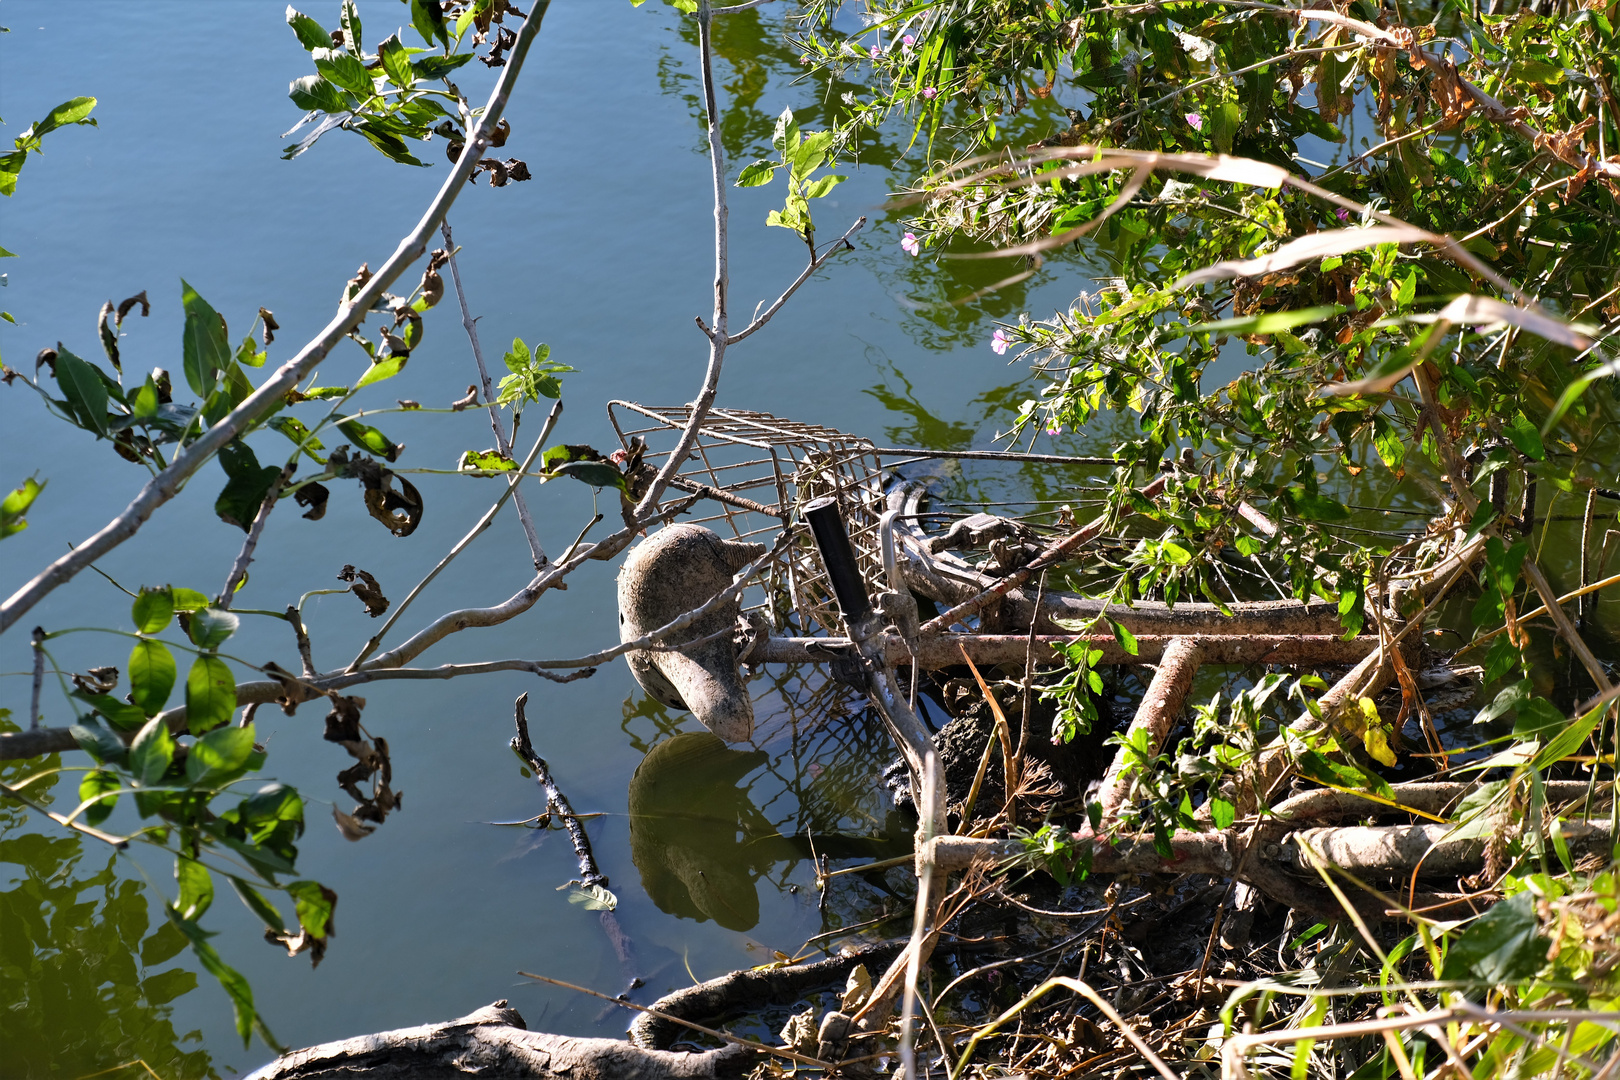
493 1042
740 991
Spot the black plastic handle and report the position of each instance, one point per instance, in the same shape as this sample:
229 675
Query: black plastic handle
832 541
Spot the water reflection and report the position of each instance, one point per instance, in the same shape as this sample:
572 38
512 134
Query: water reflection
709 822
80 989
697 839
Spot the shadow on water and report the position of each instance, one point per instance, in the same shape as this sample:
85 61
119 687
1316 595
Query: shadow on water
83 986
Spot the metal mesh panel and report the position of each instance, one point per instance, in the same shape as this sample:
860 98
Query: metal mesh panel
755 471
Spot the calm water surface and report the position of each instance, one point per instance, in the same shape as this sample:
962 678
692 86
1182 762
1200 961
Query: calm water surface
605 255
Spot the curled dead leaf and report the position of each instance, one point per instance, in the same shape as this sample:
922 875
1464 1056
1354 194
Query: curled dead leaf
465 403
97 680
314 496
351 828
270 326
139 298
363 585
407 404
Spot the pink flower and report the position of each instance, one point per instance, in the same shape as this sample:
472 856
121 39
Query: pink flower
908 41
877 51
619 457
1342 214
928 93
910 244
1053 429
1196 121
999 342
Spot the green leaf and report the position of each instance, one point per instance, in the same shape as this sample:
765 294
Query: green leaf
152 610
145 403
152 752
84 389
1506 701
354 37
248 353
1225 119
757 174
397 62
99 742
15 505
315 904
437 67
344 70
429 21
241 994
595 473
369 438
151 675
1126 639
486 461
1536 71
1341 775
386 368
315 94
212 627
206 349
257 904
220 755
786 136
120 714
98 782
1501 947
1175 553
75 111
823 186
188 599
1565 742
1389 444
248 484
210 695
1222 813
1524 435
310 34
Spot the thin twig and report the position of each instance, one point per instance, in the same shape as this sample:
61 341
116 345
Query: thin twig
841 244
511 492
163 487
589 873
238 573
119 842
469 324
39 677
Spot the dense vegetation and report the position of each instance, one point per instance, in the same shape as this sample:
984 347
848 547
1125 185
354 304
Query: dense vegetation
1336 268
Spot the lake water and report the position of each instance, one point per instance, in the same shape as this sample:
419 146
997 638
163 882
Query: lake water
606 256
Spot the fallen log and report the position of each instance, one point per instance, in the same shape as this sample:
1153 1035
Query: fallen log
739 991
495 1042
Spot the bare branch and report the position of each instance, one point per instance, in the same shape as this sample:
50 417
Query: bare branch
841 244
511 492
502 443
717 332
238 573
39 677
119 842
163 487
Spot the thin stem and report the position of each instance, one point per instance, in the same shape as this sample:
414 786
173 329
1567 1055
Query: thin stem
238 573
470 324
